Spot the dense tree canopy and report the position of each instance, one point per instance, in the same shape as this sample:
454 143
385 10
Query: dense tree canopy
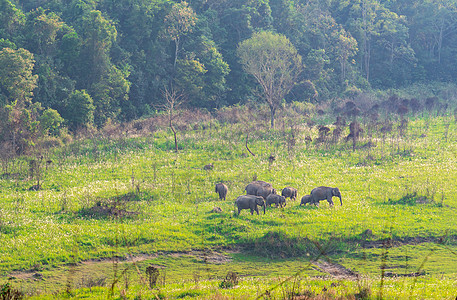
123 54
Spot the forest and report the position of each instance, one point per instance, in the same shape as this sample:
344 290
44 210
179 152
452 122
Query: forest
119 119
83 63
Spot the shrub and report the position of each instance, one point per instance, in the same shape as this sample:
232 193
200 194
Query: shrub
50 121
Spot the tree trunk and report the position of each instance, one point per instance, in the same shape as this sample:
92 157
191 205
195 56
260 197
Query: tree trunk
176 56
176 139
170 120
272 116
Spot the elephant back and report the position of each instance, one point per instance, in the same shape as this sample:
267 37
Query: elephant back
251 189
289 192
263 183
221 188
265 191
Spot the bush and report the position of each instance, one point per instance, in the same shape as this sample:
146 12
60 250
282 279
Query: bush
50 122
276 244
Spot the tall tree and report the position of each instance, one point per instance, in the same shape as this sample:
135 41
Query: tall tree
275 64
42 30
19 126
11 20
16 79
179 22
344 46
99 34
79 110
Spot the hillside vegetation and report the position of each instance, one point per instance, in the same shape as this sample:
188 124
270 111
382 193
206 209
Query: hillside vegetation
66 65
95 213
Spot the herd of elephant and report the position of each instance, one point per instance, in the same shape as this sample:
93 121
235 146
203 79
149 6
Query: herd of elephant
261 193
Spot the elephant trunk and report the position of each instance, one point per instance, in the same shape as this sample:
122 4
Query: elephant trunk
341 201
264 206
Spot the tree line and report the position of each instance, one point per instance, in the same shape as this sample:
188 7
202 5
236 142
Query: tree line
89 62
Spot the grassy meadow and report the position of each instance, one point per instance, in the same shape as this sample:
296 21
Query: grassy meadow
111 205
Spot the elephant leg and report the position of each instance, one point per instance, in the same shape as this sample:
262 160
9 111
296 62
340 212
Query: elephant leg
239 210
257 210
330 201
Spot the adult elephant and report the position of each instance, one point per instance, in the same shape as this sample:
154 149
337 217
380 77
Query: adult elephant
260 188
250 202
289 192
251 188
325 193
222 190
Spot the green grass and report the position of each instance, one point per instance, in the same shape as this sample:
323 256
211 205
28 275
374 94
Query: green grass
403 189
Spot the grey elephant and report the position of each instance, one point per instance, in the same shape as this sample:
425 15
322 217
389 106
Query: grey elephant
265 192
276 199
222 190
250 202
289 192
251 188
325 193
260 188
306 199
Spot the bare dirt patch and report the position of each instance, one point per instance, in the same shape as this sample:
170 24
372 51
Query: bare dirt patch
209 256
335 270
86 266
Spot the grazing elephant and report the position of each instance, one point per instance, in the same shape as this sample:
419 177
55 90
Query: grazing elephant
260 188
265 192
289 192
276 199
222 190
325 193
250 202
306 199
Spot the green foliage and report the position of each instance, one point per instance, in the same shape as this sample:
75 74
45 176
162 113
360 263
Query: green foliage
11 20
8 292
275 64
350 45
51 121
42 31
16 79
131 49
79 109
20 126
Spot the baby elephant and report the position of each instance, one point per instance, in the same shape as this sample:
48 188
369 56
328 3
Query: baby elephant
289 192
222 190
250 202
276 199
306 199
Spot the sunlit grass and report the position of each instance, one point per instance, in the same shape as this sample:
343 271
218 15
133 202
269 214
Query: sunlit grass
174 197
